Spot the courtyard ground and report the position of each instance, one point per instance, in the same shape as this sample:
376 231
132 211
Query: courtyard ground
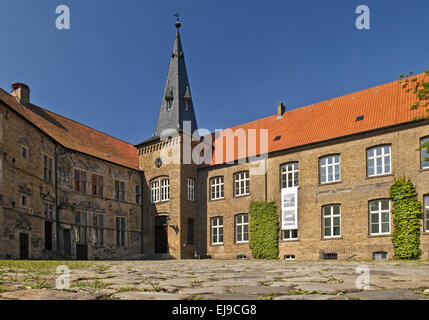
214 280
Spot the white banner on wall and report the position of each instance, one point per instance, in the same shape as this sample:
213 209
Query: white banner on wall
290 208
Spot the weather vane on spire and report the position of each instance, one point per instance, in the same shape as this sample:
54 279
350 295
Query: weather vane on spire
178 24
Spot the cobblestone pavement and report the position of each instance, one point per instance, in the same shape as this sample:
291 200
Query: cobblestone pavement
216 280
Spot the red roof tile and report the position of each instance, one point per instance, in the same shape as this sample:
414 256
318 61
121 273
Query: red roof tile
381 106
76 136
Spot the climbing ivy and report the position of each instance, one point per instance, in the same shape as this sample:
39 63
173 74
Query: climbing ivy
407 211
264 230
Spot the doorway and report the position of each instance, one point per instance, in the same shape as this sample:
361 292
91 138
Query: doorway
67 242
161 234
81 251
24 246
48 235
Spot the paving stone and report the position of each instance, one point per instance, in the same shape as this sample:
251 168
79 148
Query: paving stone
397 294
308 297
40 294
230 297
136 295
203 291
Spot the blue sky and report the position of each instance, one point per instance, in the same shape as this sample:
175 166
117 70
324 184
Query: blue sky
243 57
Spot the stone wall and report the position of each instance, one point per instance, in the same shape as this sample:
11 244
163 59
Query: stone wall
24 176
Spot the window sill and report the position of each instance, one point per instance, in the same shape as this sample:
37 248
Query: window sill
330 183
423 169
380 176
286 241
214 200
242 196
387 235
242 243
216 244
331 238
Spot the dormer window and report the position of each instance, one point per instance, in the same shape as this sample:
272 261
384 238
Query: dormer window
169 98
169 104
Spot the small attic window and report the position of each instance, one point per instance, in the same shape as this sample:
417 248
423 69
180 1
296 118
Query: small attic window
277 138
360 118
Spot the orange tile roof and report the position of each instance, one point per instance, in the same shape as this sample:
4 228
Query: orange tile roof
382 106
76 136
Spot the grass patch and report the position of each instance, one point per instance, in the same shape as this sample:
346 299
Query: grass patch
90 285
37 265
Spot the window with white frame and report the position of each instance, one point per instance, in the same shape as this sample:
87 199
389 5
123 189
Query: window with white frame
289 175
379 161
289 235
241 184
242 228
217 230
379 211
332 221
330 169
216 188
425 154
165 190
427 213
191 189
154 191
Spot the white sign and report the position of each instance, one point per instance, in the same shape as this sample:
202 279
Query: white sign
290 208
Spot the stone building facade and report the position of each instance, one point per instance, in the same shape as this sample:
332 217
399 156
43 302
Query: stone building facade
57 202
69 191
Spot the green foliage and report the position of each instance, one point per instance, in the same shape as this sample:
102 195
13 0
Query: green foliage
264 230
407 210
419 87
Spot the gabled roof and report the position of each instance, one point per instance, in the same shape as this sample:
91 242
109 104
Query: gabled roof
75 136
381 106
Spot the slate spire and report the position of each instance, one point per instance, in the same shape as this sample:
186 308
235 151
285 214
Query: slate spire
176 105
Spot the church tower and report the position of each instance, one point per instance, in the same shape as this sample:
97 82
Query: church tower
171 225
176 104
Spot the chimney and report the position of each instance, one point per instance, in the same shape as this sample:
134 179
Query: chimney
281 109
21 92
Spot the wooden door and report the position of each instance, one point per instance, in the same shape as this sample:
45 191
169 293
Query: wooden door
67 242
24 246
81 251
161 235
48 235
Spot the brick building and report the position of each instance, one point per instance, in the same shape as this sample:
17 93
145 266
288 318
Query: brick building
69 191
